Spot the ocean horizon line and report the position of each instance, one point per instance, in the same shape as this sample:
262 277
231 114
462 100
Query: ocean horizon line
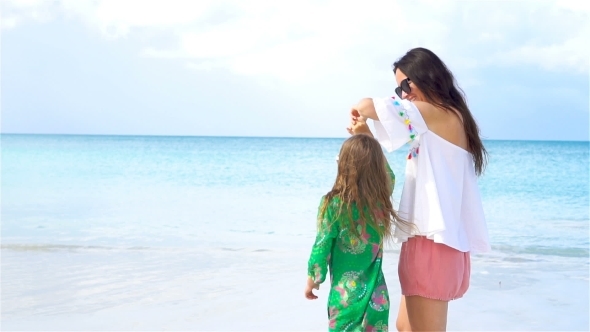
258 137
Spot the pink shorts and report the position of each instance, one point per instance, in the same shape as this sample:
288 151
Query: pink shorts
433 270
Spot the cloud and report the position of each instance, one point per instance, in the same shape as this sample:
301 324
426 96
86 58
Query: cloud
9 22
555 38
15 13
571 55
300 40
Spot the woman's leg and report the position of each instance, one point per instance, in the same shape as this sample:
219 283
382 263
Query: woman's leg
426 314
403 323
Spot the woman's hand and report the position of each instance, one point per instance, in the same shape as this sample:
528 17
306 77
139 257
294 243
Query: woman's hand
309 287
364 109
358 125
356 116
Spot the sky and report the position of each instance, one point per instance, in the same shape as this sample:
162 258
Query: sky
284 68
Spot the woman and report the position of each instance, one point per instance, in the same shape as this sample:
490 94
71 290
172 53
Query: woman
440 195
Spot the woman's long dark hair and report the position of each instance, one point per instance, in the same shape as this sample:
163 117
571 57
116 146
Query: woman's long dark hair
427 71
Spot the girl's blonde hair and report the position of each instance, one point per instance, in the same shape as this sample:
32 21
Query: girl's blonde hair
363 180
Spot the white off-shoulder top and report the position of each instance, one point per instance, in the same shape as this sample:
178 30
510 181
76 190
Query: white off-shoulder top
440 195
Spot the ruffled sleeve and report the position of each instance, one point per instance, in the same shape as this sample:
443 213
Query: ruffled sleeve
400 122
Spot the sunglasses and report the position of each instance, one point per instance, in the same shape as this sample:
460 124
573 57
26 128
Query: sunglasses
404 86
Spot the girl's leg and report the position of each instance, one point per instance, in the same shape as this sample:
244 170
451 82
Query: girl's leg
426 314
403 323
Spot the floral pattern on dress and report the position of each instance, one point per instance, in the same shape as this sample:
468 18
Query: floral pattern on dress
358 299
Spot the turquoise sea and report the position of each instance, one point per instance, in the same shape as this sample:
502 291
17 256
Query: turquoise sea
93 226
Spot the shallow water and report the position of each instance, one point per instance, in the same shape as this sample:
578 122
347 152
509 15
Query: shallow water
197 233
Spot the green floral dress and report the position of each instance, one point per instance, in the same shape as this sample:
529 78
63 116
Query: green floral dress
358 299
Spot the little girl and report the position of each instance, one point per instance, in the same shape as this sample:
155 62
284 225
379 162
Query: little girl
354 219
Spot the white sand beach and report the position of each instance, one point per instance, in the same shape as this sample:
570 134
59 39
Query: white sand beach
250 289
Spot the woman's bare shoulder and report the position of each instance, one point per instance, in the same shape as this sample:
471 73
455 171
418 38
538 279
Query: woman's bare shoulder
436 114
429 112
447 124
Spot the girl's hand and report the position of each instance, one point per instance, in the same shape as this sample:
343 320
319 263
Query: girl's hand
356 116
309 289
359 127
